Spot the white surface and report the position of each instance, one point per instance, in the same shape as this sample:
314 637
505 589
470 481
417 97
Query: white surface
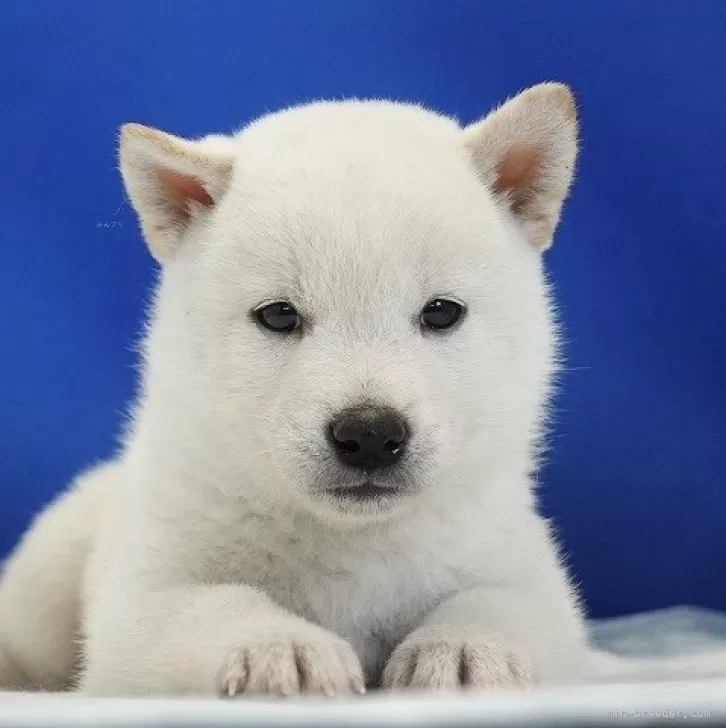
672 704
676 631
669 632
700 703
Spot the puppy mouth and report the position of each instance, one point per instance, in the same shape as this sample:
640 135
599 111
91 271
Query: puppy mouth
365 492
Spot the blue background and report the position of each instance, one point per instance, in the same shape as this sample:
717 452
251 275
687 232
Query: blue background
636 479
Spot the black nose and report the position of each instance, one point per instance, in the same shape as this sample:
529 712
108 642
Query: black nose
369 437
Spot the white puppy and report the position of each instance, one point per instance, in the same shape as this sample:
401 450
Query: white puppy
327 480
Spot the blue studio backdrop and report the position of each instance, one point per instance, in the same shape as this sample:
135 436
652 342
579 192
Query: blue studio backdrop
636 478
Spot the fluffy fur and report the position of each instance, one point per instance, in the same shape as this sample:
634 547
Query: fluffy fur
210 558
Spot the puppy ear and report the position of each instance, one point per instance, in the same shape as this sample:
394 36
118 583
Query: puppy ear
172 182
525 153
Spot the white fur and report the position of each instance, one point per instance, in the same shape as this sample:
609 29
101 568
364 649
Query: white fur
207 559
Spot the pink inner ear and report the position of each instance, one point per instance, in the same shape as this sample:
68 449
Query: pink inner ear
181 189
517 174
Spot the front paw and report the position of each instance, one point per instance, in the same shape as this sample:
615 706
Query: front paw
436 659
290 662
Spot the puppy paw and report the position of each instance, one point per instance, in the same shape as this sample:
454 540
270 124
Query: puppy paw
312 661
433 660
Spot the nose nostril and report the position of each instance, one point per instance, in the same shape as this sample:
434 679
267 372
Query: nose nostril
393 446
348 447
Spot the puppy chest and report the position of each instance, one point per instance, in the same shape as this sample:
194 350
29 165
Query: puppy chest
373 604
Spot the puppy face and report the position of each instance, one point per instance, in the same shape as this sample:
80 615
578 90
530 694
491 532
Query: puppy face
352 312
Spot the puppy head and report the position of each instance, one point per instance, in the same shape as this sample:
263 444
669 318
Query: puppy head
352 312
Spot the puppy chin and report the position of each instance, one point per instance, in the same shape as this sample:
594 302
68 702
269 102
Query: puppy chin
363 499
352 513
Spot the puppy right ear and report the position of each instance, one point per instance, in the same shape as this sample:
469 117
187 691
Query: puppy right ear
172 182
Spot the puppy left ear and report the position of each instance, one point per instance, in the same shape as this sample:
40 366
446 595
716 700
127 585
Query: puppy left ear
525 153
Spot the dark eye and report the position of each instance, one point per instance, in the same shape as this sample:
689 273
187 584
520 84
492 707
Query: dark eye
441 314
279 316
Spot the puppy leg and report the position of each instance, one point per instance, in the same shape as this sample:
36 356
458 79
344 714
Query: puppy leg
525 628
222 640
40 591
487 638
11 676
